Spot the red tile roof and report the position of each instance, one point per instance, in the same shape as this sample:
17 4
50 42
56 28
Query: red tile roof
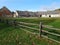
5 11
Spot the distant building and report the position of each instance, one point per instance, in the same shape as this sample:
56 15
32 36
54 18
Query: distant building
5 12
37 14
21 14
25 14
50 14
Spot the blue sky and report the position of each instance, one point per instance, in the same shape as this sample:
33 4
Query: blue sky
30 5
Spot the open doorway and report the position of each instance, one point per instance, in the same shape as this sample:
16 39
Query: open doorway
40 15
49 15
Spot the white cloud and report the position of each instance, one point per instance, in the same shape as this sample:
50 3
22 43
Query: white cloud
54 5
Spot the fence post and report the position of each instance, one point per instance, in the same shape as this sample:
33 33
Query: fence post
7 21
0 20
15 23
40 28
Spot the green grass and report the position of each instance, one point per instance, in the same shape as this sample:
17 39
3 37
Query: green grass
52 21
36 20
46 34
55 22
12 36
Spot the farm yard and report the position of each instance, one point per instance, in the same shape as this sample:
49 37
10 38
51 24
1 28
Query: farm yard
27 31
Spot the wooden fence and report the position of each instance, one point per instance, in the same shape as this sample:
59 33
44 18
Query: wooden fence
41 30
41 26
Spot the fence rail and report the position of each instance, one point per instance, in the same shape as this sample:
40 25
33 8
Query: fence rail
38 30
41 35
15 23
29 27
51 28
51 39
28 23
51 33
46 26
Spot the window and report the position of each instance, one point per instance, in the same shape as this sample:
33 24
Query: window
40 15
49 15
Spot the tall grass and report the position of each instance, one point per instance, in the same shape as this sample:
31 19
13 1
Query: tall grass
15 36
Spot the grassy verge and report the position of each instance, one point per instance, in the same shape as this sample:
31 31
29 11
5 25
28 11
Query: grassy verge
15 36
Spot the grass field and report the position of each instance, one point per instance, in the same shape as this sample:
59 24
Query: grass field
10 35
55 22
